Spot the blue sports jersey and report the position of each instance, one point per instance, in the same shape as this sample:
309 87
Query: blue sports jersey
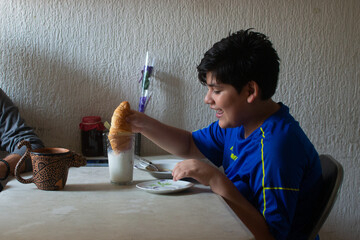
276 168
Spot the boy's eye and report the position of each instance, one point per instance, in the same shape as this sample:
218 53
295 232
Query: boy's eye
216 91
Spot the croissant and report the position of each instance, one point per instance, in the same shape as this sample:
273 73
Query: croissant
120 135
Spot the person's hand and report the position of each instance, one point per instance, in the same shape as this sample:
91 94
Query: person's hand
3 170
12 160
137 121
201 171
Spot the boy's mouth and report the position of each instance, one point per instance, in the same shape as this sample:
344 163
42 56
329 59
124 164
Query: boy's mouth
219 113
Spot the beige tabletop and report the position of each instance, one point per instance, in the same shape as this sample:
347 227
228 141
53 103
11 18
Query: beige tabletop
90 207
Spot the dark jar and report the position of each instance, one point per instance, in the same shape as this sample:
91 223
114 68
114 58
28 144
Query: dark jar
92 136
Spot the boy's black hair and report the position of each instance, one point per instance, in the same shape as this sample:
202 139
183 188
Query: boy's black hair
242 57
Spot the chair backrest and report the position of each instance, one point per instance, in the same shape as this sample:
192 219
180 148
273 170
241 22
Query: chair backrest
333 174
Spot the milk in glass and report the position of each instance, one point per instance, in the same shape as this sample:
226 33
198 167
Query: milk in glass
121 165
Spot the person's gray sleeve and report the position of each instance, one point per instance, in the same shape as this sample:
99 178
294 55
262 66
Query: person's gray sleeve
13 129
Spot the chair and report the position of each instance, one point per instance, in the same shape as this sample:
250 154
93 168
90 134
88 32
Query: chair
333 174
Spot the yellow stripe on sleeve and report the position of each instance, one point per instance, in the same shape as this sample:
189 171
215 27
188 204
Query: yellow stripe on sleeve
263 169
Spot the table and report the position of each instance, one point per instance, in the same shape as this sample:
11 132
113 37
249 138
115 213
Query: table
90 207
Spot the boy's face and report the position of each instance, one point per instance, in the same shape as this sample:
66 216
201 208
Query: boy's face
230 106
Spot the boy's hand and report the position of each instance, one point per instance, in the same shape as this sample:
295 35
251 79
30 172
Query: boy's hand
203 172
137 120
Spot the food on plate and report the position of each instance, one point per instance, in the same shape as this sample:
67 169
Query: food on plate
120 134
159 169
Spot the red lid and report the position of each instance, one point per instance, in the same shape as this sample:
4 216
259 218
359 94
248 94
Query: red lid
91 122
91 119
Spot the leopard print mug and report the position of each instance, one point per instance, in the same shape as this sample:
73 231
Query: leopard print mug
50 166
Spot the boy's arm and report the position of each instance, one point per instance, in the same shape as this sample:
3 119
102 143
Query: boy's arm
173 140
248 214
13 130
12 160
221 185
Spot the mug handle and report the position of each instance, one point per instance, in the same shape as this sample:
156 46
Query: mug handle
21 162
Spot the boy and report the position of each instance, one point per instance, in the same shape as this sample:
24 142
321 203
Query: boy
272 171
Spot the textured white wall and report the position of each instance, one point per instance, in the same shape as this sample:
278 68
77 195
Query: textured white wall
61 60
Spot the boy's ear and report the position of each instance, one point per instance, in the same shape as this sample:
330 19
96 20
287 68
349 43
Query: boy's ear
253 91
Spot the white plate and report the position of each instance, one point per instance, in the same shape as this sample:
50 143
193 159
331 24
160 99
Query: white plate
166 165
164 186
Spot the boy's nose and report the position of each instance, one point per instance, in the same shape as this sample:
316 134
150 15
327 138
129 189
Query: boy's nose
208 99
